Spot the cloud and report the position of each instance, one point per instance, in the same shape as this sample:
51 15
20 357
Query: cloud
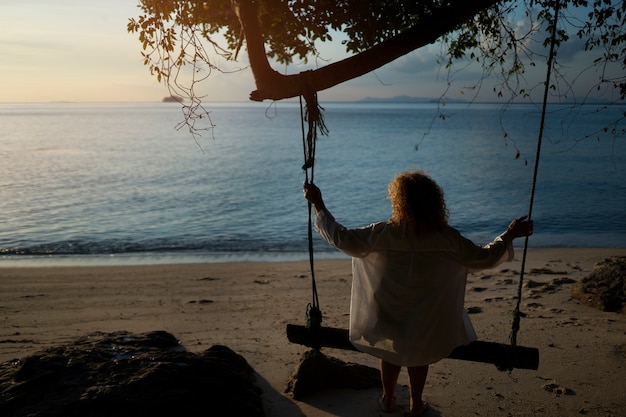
423 60
573 50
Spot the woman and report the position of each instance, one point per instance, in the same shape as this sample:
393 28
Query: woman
409 276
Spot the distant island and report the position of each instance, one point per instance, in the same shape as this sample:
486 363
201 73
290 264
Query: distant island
173 99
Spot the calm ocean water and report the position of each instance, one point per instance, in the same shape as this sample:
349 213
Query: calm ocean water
117 183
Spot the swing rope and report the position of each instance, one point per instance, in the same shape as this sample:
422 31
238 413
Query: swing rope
313 116
517 314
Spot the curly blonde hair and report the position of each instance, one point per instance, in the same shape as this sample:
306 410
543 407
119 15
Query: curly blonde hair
417 201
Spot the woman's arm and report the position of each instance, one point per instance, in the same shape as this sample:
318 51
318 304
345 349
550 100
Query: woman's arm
350 242
477 257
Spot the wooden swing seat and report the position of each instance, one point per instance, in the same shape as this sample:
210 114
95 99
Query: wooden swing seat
505 357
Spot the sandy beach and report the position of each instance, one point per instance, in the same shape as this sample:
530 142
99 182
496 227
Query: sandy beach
247 305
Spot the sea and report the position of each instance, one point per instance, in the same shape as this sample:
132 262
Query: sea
128 183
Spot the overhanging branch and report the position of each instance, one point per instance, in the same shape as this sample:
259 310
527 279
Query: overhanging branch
271 85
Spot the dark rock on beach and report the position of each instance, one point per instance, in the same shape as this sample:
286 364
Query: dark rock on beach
605 287
123 374
317 372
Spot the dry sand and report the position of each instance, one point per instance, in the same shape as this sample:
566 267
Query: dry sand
246 306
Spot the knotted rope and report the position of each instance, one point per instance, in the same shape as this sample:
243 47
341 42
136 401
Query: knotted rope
312 115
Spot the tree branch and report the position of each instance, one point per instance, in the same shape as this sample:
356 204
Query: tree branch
275 86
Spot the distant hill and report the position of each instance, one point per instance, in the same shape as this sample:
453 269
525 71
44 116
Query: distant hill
408 99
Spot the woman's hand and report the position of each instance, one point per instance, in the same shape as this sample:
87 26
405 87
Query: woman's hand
314 195
520 227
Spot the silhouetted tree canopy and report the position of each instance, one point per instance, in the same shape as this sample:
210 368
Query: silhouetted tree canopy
504 37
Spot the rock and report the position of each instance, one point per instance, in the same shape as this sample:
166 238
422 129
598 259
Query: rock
123 374
563 281
558 389
605 287
532 284
547 271
317 372
474 310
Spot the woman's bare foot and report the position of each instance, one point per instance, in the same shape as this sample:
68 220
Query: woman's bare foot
421 411
386 405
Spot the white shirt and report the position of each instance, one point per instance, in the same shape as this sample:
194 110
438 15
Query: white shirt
407 303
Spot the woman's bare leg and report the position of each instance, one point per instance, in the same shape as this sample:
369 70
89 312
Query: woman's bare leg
417 380
389 375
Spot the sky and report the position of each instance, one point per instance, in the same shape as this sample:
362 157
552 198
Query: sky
80 51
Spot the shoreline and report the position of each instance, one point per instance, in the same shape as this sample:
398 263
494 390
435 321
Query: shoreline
246 305
194 258
154 258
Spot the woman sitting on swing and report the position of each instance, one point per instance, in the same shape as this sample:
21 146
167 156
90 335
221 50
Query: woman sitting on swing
409 276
